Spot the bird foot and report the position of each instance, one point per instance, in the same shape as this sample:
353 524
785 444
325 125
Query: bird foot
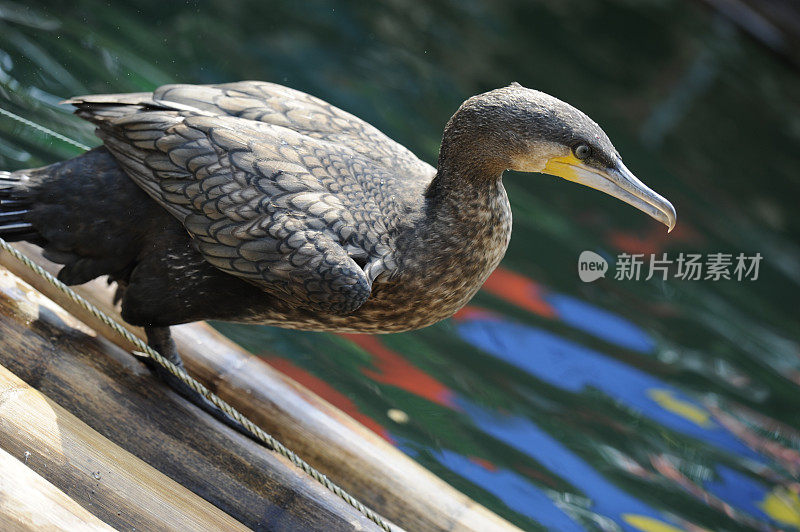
160 339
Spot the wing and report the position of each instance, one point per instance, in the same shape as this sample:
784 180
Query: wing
275 104
286 211
278 105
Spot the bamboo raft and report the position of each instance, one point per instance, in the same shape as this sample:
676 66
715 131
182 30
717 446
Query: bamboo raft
89 440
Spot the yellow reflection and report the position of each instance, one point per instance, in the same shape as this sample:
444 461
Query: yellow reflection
783 506
648 524
685 409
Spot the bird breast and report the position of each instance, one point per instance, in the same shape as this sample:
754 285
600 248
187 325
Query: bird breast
444 265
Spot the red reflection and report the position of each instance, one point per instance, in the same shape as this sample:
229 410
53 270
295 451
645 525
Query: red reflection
486 464
393 369
543 477
655 240
327 392
519 290
475 313
790 458
665 467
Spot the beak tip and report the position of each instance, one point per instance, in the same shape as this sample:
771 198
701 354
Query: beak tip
672 218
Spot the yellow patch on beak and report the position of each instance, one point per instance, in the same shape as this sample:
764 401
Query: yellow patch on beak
564 166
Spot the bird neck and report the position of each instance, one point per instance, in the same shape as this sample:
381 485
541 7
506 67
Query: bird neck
466 212
467 167
462 237
458 188
465 217
469 157
469 174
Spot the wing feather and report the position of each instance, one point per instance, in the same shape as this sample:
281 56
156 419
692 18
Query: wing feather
276 186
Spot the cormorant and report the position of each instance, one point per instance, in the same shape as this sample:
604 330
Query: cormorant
257 203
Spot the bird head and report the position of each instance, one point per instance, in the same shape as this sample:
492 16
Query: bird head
529 131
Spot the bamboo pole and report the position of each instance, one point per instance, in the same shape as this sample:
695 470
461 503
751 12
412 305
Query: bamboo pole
118 487
355 457
28 502
371 469
115 395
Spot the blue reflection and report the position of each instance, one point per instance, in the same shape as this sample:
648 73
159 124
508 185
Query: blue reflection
514 490
573 367
741 491
600 323
525 436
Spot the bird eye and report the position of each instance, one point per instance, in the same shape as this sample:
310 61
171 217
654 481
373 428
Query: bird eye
582 151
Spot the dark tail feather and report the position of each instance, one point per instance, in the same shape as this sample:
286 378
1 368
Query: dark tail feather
13 210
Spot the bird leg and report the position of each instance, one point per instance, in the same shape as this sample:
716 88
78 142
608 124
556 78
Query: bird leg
160 339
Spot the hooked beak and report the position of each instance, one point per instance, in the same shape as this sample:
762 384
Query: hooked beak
618 182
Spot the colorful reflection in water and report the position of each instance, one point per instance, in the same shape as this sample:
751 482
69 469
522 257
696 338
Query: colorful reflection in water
574 368
743 488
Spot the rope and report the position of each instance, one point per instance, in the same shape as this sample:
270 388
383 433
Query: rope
43 129
258 434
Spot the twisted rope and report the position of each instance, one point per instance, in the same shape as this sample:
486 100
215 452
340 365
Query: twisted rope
42 129
256 432
259 434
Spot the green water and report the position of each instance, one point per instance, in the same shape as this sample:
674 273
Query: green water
612 405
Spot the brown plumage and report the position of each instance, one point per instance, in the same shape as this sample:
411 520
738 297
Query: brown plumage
268 205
